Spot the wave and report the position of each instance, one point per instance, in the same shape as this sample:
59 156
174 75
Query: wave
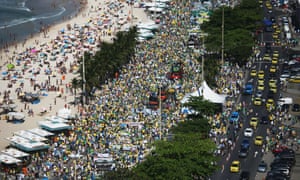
11 5
25 20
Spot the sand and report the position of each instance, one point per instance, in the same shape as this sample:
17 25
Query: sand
89 13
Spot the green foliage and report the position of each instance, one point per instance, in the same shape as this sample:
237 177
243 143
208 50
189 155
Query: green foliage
112 56
239 23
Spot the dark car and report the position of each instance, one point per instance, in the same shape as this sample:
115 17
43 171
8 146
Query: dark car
264 120
245 144
296 108
273 175
243 153
262 167
245 175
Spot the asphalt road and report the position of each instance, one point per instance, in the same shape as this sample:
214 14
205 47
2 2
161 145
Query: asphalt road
250 163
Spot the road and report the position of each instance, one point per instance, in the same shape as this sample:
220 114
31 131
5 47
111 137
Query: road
251 163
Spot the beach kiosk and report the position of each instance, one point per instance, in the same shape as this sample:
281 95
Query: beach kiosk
8 160
27 145
41 132
23 156
30 136
53 126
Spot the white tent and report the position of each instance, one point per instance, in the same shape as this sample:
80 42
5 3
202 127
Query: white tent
207 93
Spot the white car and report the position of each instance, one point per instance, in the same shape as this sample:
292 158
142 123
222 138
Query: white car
248 132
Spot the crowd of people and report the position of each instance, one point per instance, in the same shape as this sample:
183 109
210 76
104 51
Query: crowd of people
118 123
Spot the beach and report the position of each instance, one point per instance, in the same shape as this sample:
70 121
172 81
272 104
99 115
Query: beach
91 10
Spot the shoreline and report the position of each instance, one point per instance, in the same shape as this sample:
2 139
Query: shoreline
51 100
43 26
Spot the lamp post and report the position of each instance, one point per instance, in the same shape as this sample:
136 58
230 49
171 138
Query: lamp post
160 115
202 35
222 50
83 79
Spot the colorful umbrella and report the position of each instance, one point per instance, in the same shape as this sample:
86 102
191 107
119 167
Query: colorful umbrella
10 66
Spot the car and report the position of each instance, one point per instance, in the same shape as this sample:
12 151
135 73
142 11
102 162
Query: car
245 144
248 132
257 101
273 88
275 35
234 117
245 175
274 61
276 53
283 170
272 175
261 81
272 82
270 105
296 107
258 140
260 87
261 74
267 57
279 149
254 122
271 94
284 76
243 153
248 89
253 73
235 166
273 69
264 120
262 167
294 79
259 93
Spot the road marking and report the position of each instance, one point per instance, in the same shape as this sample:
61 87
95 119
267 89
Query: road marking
222 168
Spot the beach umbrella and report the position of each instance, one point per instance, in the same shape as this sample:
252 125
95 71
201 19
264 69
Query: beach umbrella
10 66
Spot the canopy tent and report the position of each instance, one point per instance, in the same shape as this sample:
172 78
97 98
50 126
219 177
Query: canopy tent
65 113
207 93
54 126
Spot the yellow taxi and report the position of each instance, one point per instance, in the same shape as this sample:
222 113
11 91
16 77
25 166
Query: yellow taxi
267 57
268 5
261 81
270 104
275 36
260 87
257 101
235 166
273 89
258 140
274 60
253 73
275 26
254 122
272 82
273 69
261 74
276 54
277 30
295 79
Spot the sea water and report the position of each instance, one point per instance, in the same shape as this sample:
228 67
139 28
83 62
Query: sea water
21 18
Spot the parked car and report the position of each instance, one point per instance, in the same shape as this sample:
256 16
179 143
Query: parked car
296 108
262 167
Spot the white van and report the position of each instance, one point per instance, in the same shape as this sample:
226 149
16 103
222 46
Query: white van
288 35
286 28
286 100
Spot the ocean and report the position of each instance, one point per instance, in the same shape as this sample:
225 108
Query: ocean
19 19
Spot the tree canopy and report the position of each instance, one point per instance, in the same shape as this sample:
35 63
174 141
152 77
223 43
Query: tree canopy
239 24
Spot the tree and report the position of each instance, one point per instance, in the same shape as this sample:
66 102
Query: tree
239 24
